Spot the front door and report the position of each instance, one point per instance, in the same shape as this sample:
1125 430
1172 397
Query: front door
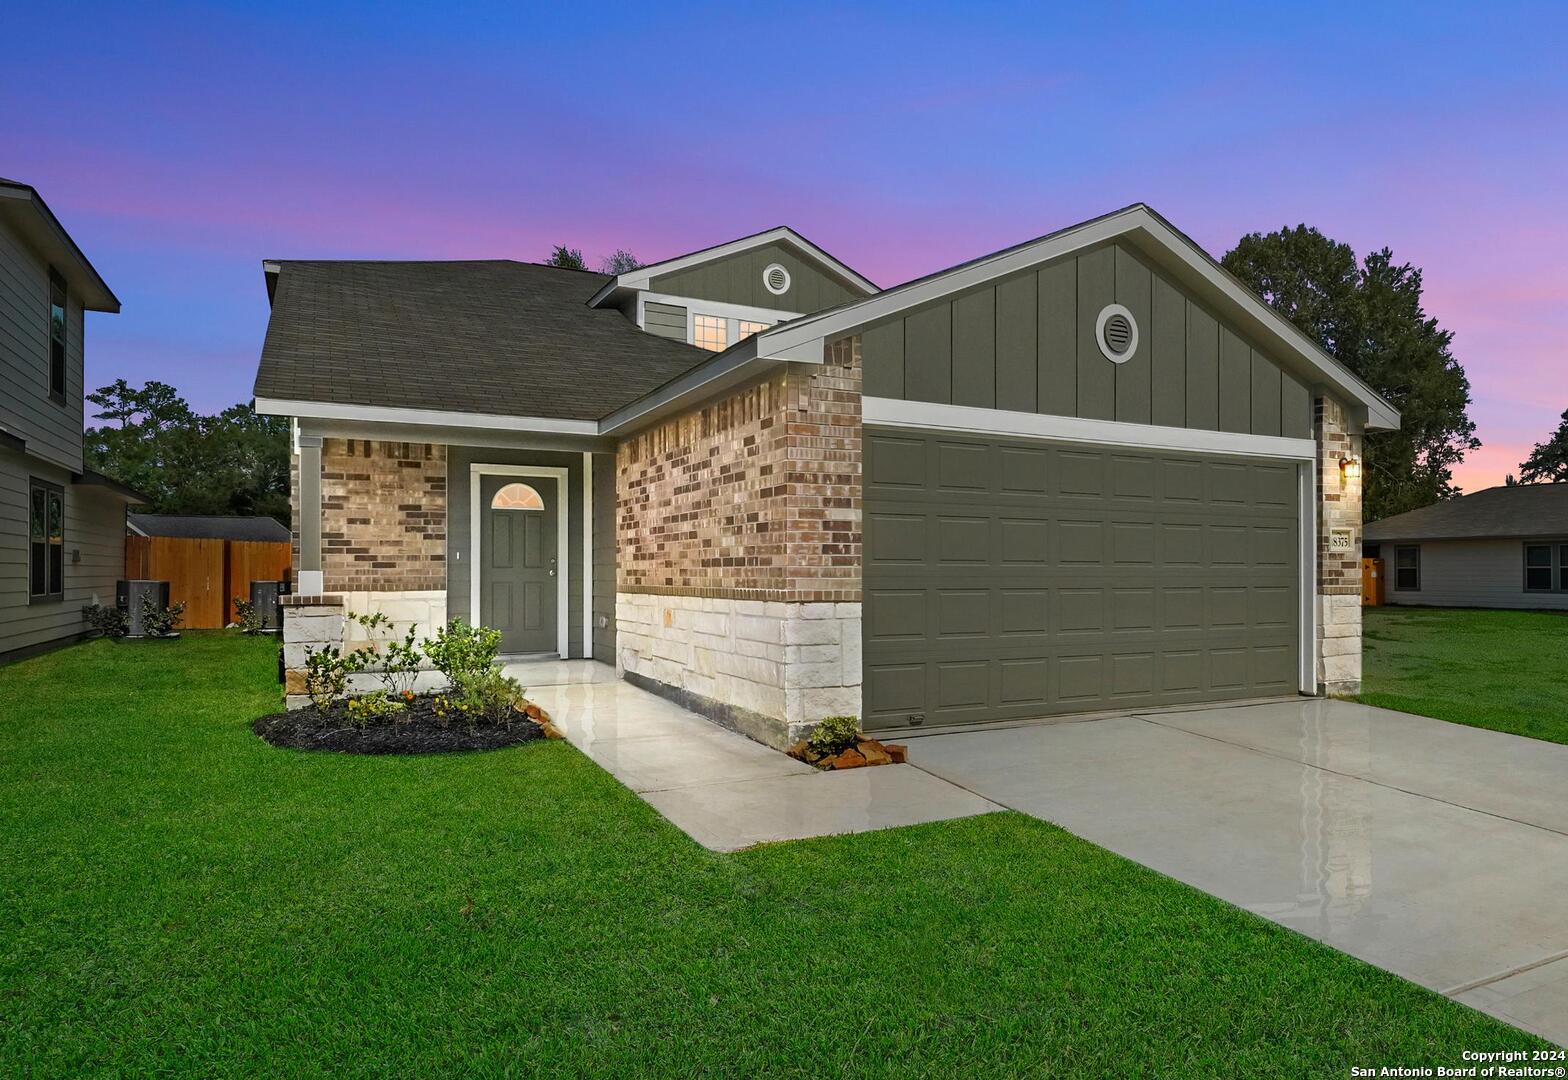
517 582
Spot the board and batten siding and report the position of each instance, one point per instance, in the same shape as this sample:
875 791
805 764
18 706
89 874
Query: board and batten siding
52 429
1469 573
664 320
94 527
1026 343
737 279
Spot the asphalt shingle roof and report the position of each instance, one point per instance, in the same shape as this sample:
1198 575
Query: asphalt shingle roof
1499 512
210 526
498 337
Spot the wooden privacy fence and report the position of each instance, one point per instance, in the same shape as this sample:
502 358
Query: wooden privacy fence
206 574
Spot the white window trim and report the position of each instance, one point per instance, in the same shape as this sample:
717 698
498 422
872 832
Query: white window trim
964 419
476 472
693 315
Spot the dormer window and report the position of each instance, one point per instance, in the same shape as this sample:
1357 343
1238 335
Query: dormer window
56 337
710 332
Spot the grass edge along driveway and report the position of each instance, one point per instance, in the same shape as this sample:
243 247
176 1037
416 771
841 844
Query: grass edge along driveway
181 898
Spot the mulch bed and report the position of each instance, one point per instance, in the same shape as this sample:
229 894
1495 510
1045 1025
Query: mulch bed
414 730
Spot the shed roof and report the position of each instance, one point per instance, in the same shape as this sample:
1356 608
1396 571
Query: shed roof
208 526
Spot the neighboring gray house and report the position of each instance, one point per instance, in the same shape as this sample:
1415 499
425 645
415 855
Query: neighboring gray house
1089 472
62 528
1505 547
209 527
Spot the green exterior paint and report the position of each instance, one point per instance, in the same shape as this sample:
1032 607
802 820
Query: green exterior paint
1007 579
974 349
604 541
665 320
928 354
887 341
1096 374
737 279
1134 284
1058 343
1027 343
460 559
1016 330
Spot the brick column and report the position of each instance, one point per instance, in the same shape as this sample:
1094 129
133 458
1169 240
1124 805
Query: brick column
1338 570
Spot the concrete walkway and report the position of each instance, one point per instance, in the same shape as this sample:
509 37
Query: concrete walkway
1436 851
722 789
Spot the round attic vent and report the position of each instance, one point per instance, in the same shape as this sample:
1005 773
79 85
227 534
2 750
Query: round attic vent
776 279
1117 333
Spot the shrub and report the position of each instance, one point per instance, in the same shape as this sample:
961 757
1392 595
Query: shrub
835 734
486 697
160 621
372 706
326 673
111 622
400 661
246 616
460 651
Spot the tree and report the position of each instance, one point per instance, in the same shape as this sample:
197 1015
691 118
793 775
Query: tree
1368 316
236 462
621 262
570 258
1548 462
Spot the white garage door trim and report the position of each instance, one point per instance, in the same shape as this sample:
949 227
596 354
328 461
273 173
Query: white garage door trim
891 412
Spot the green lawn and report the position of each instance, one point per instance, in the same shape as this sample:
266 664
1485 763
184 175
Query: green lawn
180 898
1504 670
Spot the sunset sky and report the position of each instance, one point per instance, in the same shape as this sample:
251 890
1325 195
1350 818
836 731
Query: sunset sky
181 145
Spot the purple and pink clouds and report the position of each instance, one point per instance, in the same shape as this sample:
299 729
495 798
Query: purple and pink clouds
182 146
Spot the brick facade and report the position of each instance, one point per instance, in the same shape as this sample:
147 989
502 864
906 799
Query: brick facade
755 496
383 516
739 552
1338 571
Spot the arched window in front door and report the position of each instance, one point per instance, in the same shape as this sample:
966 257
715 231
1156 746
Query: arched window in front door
517 497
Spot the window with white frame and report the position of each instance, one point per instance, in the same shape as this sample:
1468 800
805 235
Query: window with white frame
710 332
747 328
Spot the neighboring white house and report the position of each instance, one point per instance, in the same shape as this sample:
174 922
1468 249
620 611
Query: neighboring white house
1505 547
62 526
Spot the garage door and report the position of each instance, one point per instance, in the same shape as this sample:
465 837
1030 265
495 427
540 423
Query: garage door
1008 579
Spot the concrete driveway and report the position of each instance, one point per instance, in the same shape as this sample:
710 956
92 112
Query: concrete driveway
1436 851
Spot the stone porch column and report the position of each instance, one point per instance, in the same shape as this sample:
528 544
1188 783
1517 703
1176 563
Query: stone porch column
1338 552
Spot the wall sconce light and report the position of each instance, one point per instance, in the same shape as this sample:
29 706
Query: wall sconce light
1350 467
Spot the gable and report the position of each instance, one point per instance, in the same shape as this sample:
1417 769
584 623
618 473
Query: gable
737 279
1027 342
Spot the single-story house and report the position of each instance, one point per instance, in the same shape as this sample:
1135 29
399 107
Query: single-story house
62 525
1088 472
209 527
1504 547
